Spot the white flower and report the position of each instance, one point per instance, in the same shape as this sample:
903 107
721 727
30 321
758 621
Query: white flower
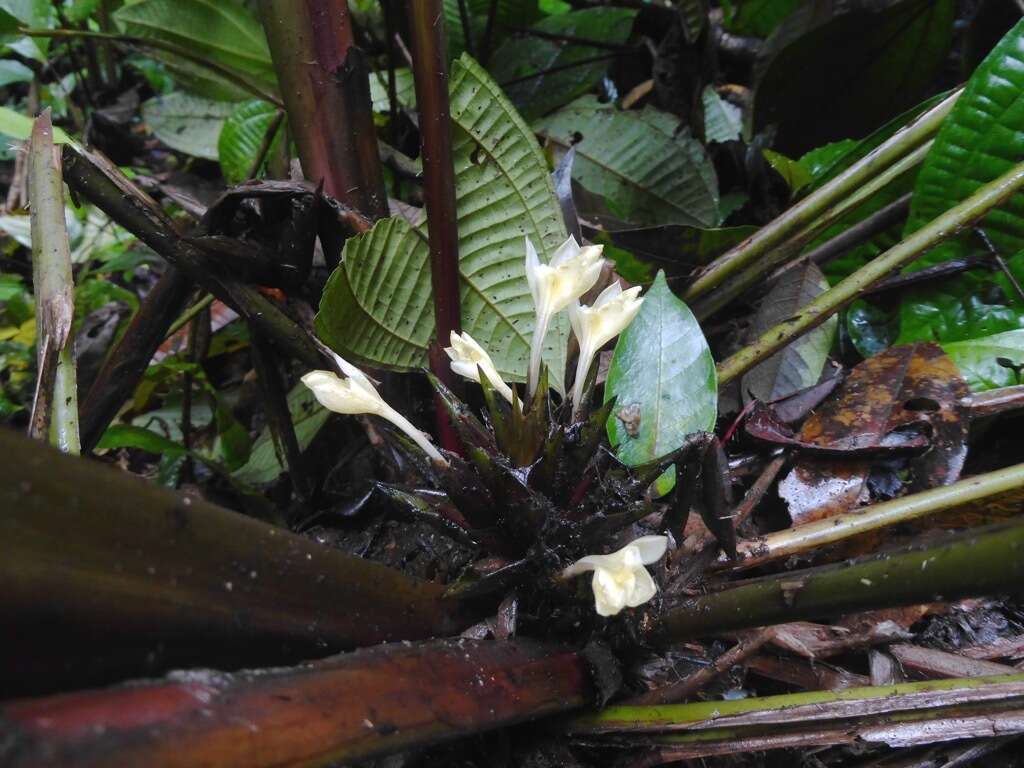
356 394
469 359
620 579
598 324
571 273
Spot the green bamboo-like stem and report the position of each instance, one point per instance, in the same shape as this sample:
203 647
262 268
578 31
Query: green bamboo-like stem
901 715
233 76
827 304
339 710
753 274
803 213
55 409
991 486
326 91
127 362
96 554
430 71
982 562
97 180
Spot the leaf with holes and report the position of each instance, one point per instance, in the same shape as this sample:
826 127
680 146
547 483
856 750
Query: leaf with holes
377 306
642 162
241 138
187 123
663 380
799 365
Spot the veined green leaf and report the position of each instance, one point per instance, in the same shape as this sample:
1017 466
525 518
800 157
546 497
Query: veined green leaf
18 126
241 138
377 305
663 380
722 121
189 124
405 90
649 170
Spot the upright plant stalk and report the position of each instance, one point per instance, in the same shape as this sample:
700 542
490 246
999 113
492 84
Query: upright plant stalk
986 561
990 487
326 91
808 209
55 407
430 71
818 311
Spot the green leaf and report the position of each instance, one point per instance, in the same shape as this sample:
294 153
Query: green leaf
241 138
662 371
189 124
977 359
405 90
377 306
641 161
981 138
722 121
525 56
792 172
224 31
12 71
755 18
799 364
129 436
825 74
308 417
18 126
508 13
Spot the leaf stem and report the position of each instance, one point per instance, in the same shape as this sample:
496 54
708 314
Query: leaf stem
818 311
803 213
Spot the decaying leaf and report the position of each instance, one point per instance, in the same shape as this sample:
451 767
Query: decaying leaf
916 386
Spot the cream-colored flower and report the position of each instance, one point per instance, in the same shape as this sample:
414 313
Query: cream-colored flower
572 272
469 359
598 324
620 579
356 394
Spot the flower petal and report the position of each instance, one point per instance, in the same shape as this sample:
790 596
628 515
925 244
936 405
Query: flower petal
590 563
651 548
643 589
609 596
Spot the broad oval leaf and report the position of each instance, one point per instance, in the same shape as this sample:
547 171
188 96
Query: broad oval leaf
540 74
982 138
800 364
242 137
224 31
377 306
649 170
722 121
189 124
663 380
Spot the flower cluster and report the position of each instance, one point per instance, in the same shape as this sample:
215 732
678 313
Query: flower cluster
620 579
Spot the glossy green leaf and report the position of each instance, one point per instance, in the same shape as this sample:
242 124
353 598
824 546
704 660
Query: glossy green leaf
799 364
982 138
642 162
130 436
224 31
12 71
308 418
187 123
663 380
832 70
978 358
722 121
508 13
792 172
241 138
405 90
377 307
518 63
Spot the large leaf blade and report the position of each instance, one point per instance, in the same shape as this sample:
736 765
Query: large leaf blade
652 172
504 194
187 123
663 380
